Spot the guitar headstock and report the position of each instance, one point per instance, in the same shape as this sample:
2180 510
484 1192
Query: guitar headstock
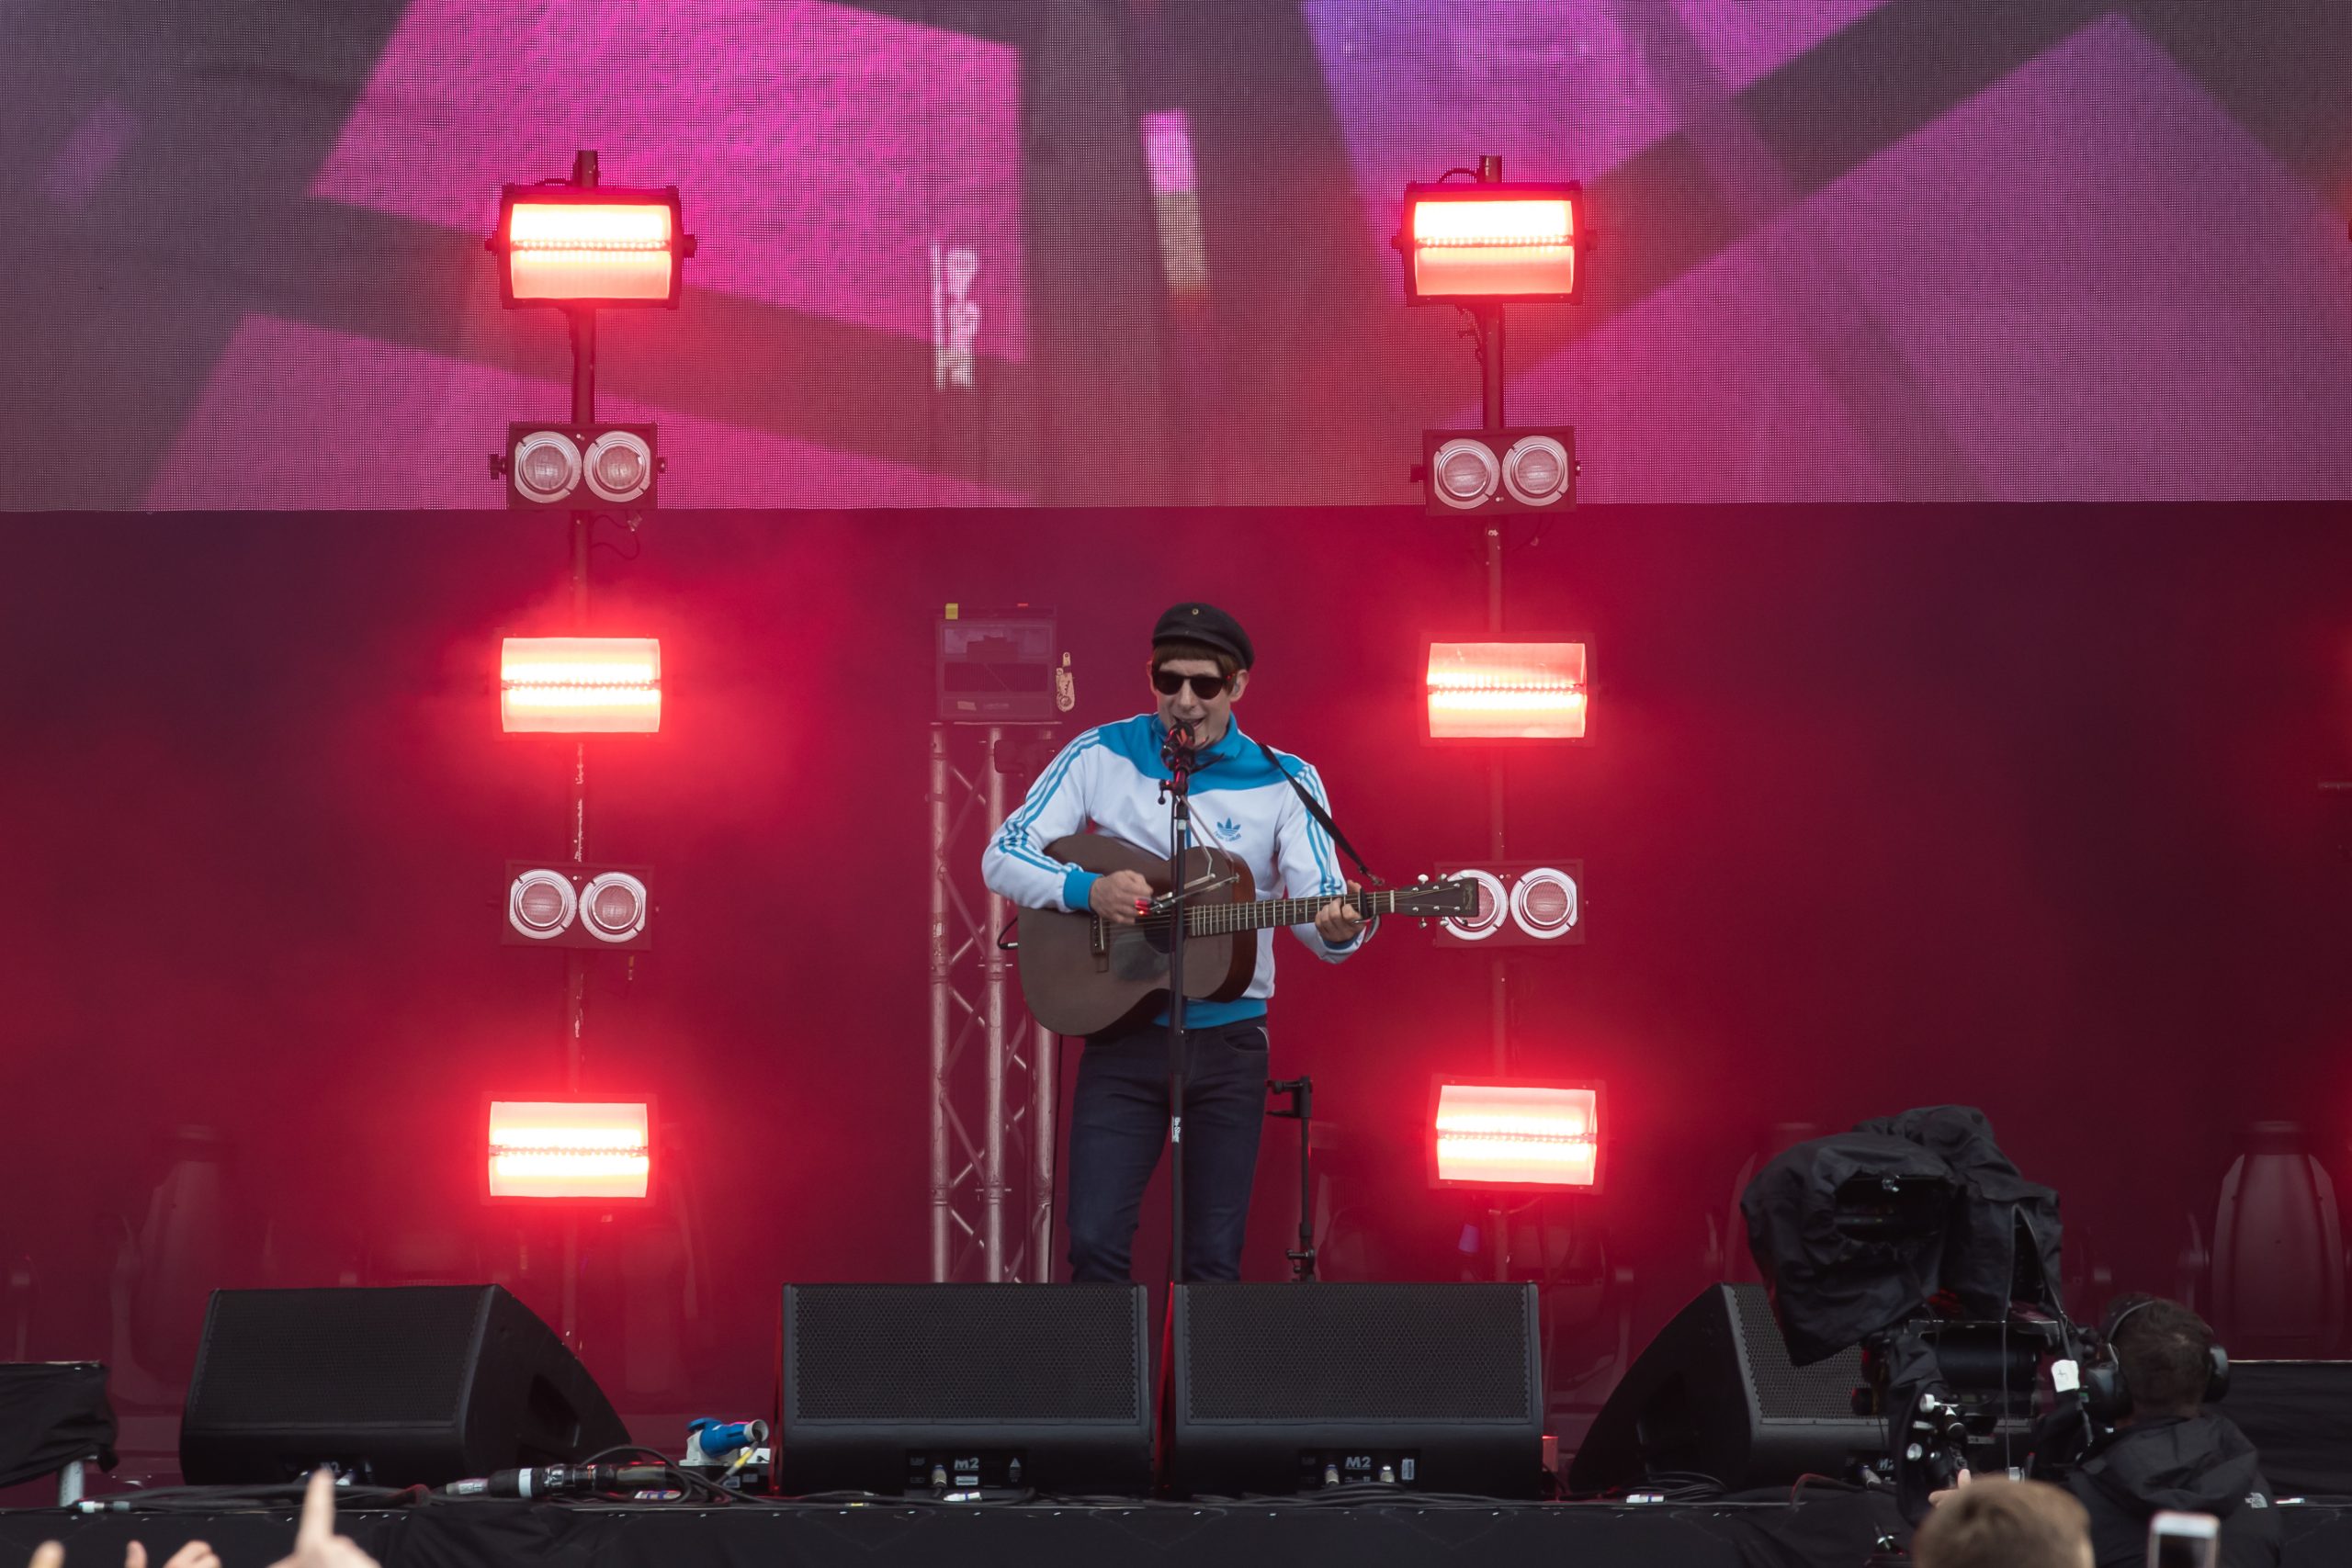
1435 899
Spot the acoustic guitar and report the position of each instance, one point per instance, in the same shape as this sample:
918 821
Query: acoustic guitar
1084 974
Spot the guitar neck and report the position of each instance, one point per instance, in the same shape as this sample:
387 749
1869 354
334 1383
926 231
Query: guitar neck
1216 920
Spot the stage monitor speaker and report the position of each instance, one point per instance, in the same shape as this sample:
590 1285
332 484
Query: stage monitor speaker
1714 1394
407 1385
2299 1415
1282 1387
963 1388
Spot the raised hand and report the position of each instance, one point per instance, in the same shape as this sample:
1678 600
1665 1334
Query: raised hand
315 1543
194 1554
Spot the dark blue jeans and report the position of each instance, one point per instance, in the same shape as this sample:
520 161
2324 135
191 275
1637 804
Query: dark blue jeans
1118 1124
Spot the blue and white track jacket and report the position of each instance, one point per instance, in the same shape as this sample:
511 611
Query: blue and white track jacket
1110 776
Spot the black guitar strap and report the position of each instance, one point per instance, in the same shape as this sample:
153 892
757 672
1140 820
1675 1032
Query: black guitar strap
1315 809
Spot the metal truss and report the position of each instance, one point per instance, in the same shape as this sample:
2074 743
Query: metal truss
993 1087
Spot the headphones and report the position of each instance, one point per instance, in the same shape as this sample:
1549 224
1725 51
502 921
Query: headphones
2109 1396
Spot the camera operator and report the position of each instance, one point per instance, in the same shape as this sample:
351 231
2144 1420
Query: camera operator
2168 1450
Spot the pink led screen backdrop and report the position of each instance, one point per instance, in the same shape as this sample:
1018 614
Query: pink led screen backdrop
1009 252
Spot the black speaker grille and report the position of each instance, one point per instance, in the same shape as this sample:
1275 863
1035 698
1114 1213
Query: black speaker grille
1411 1352
944 1353
293 1358
1784 1392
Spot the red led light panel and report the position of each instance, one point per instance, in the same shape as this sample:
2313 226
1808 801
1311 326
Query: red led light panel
580 685
1492 242
569 1149
1507 690
1518 1136
588 246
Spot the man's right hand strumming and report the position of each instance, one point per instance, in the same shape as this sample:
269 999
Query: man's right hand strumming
1118 896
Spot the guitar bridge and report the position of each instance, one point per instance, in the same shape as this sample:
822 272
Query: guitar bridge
1099 941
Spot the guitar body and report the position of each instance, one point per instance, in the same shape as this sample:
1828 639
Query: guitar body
1082 976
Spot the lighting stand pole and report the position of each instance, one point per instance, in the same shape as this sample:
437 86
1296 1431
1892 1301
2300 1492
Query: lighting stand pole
1490 326
1490 375
575 960
1489 317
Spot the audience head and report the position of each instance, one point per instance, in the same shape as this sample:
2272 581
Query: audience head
2005 1523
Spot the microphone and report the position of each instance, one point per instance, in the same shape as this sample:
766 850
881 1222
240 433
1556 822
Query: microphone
562 1481
1176 752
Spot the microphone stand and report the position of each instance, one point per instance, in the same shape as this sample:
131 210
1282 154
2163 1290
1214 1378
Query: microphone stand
1300 1092
1177 754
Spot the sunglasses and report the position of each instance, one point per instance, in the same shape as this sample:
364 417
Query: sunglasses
1208 688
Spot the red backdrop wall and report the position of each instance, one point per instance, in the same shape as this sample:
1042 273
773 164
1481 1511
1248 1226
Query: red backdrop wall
2011 806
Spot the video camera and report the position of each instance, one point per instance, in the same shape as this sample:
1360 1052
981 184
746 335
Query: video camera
1917 1238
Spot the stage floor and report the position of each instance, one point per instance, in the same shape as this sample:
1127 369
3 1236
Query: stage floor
1231 1535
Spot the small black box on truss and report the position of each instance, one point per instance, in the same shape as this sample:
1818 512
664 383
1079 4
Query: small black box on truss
999 667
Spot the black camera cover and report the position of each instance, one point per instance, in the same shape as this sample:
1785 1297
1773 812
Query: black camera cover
52 1414
1855 1232
2004 1239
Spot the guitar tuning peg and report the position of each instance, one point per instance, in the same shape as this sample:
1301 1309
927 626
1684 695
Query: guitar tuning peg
1423 878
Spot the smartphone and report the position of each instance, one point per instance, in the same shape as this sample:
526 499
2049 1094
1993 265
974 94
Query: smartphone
2184 1540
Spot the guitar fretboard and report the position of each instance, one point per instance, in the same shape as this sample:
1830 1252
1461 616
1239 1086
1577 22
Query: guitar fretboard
1219 920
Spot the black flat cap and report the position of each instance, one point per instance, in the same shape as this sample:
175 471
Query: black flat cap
1209 626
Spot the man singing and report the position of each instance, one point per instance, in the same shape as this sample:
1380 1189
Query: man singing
1110 777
